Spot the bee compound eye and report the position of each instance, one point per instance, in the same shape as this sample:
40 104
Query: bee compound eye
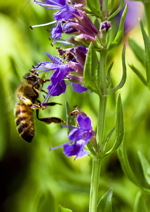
30 77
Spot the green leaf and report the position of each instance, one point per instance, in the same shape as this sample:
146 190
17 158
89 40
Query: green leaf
138 73
147 53
145 167
133 169
94 7
117 40
105 203
119 127
62 209
46 202
119 124
107 139
123 79
137 50
91 75
117 10
109 68
140 204
108 77
125 163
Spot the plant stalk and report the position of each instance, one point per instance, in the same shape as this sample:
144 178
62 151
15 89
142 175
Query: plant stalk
102 99
96 162
95 177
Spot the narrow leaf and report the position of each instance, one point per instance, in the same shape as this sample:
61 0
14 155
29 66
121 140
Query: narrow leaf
108 77
145 167
109 68
147 53
123 79
132 170
62 209
138 73
140 204
108 137
105 203
91 76
119 124
125 163
119 127
137 50
117 40
95 8
117 10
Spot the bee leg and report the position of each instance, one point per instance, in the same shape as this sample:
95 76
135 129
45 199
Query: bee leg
40 105
49 120
50 104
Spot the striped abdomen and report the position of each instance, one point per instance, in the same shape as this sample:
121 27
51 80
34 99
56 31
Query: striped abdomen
24 121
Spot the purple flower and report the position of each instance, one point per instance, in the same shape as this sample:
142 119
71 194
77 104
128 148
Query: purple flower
66 11
70 18
48 66
76 149
61 70
84 131
64 71
78 88
79 137
105 26
76 58
68 28
52 4
57 31
58 85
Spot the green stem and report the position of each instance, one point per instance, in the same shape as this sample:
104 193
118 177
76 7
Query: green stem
147 15
102 99
96 163
95 176
101 119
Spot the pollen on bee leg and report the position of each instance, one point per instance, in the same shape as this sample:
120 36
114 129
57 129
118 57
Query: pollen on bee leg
25 100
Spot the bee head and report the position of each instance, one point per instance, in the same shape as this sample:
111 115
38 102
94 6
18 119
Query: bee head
30 77
34 80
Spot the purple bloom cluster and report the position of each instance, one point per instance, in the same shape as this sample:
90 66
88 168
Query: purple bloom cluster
79 137
70 19
71 71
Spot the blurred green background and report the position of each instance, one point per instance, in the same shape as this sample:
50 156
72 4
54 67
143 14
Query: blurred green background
32 178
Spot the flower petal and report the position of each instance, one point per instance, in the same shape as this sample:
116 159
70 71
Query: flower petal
79 88
84 122
75 149
58 75
55 60
57 89
55 4
65 13
56 32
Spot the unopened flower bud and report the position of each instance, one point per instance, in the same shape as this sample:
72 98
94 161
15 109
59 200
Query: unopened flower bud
105 26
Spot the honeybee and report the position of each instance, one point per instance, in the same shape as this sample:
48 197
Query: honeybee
77 111
28 94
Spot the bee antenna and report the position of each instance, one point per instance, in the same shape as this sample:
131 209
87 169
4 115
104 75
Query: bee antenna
33 71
